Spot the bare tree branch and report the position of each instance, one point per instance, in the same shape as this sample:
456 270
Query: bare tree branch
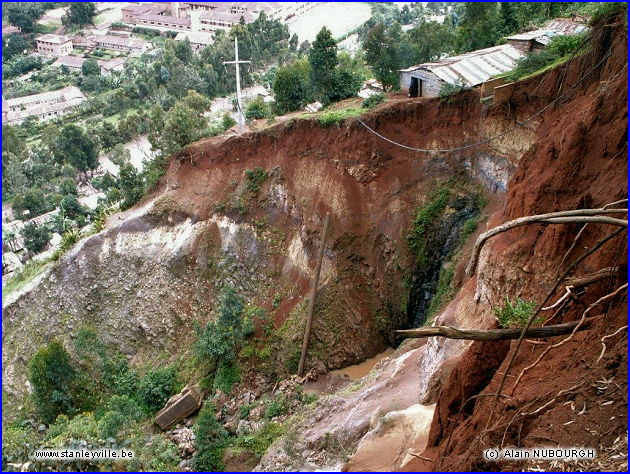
497 334
580 215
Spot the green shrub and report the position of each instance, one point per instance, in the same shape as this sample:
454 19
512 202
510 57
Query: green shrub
562 45
227 375
469 227
259 441
118 377
227 121
52 378
529 65
257 109
444 291
373 100
450 89
15 445
156 387
220 339
245 410
159 454
516 314
255 178
110 424
277 407
292 361
210 441
126 406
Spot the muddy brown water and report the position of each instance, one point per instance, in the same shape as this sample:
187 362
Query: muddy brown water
359 370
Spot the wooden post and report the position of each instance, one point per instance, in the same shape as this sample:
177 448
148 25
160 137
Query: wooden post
311 302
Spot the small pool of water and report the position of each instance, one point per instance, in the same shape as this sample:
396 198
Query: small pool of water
359 370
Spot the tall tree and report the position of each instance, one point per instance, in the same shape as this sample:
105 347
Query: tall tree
35 237
478 28
509 18
430 40
382 55
323 60
24 15
80 14
75 147
291 87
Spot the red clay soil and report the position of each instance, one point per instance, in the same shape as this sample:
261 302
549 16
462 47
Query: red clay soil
571 397
371 188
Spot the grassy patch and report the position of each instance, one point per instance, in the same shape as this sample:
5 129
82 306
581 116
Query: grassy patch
443 293
328 119
24 276
259 441
516 313
425 215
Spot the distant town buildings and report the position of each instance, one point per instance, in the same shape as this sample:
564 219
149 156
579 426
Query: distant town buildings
75 63
208 16
43 106
119 43
53 45
198 41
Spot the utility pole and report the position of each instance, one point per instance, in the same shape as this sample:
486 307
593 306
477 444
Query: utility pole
238 84
311 301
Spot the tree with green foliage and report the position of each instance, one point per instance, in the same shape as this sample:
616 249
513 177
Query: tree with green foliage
35 237
34 202
130 184
478 28
382 55
323 60
430 40
11 142
75 147
156 387
90 68
68 187
14 180
292 87
509 18
182 126
14 45
220 339
210 441
79 14
71 206
24 15
51 374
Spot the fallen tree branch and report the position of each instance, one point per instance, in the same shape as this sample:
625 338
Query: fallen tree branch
593 277
498 334
569 269
608 337
561 217
578 327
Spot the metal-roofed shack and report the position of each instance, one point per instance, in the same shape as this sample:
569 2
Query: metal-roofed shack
470 69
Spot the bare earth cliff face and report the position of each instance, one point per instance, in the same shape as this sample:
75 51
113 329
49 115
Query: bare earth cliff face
159 266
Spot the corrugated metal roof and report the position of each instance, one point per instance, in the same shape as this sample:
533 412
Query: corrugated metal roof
565 26
475 67
554 28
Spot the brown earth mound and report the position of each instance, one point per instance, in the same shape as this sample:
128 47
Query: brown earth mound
577 394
